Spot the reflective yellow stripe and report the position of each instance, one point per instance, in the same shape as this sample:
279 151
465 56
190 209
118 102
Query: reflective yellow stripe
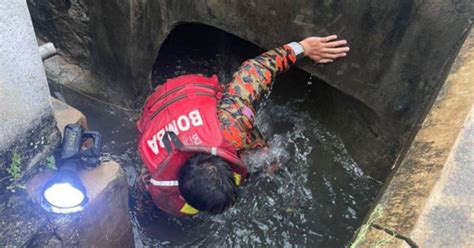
237 178
187 209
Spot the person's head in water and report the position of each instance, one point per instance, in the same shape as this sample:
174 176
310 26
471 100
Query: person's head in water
207 183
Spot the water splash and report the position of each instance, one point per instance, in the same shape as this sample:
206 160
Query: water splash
317 198
314 195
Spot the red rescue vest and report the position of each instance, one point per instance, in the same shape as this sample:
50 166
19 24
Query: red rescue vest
179 120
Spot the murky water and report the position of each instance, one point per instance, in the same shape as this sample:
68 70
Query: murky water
317 198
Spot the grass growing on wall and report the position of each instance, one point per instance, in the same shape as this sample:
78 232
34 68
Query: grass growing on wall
361 235
14 172
51 163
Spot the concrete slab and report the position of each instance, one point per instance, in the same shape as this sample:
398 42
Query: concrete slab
66 114
429 198
447 219
24 94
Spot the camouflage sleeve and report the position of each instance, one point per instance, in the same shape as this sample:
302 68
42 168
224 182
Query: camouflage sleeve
254 77
249 84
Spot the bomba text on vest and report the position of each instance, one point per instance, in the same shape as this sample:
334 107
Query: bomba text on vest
182 124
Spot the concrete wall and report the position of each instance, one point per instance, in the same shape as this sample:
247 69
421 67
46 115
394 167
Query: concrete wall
28 127
24 94
429 199
401 50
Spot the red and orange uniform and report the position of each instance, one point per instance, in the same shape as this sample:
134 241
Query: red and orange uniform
249 84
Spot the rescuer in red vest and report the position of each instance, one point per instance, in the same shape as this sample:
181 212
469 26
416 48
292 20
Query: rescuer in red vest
192 129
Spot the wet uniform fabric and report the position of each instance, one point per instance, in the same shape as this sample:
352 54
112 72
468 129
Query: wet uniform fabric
236 110
248 86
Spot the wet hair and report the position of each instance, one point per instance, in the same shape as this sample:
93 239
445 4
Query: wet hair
206 182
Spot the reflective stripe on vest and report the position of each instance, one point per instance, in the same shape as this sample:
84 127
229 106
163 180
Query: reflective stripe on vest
169 183
172 183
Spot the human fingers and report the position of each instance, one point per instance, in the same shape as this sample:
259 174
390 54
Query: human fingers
325 61
335 43
335 50
333 56
329 38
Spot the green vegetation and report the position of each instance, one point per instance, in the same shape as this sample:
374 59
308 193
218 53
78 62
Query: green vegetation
361 235
51 163
14 172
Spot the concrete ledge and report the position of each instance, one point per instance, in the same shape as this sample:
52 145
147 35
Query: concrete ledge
447 219
406 198
66 114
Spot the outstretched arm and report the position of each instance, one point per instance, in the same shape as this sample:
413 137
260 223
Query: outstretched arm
254 76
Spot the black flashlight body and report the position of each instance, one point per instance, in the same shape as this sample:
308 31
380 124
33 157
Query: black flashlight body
72 141
74 138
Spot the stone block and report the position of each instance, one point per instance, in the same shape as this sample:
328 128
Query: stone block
66 114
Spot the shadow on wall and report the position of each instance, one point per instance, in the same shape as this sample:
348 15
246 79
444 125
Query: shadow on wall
198 48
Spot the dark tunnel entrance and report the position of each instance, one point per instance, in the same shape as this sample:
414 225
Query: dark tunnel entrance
197 48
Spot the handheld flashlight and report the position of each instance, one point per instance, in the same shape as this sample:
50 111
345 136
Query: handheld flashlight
65 193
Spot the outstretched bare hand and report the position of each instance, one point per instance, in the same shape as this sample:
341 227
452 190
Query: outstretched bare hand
324 49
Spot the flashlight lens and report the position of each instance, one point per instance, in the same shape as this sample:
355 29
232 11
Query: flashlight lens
63 195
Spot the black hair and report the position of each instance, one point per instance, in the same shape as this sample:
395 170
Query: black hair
206 182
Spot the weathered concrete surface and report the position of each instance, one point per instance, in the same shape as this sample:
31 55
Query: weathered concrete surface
28 131
67 25
66 114
61 69
25 109
401 52
448 215
391 41
106 222
24 95
429 197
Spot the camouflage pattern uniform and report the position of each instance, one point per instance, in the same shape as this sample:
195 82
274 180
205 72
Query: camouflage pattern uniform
249 84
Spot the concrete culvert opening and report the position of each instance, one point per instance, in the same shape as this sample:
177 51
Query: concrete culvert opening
320 195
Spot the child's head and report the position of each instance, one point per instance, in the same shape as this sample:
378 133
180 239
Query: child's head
207 183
